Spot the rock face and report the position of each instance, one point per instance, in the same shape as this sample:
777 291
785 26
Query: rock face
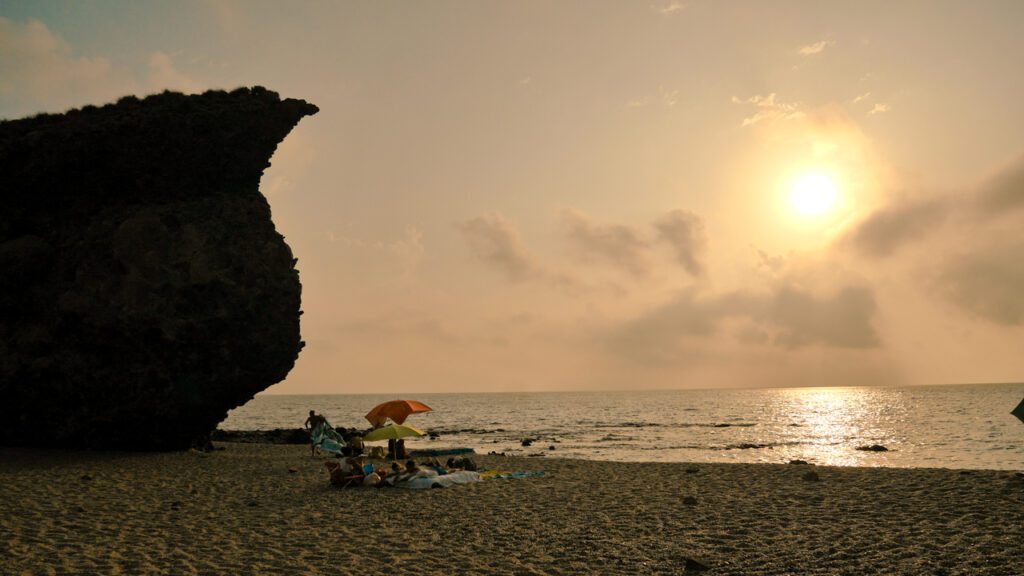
144 290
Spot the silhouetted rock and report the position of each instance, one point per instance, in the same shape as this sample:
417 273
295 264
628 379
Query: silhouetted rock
873 448
144 291
798 462
695 565
275 436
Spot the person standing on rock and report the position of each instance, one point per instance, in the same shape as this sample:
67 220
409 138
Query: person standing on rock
312 423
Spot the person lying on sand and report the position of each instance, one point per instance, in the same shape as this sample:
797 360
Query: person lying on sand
340 477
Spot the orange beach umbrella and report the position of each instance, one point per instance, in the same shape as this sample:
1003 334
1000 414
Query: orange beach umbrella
397 410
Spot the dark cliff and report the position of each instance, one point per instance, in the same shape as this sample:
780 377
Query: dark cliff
144 290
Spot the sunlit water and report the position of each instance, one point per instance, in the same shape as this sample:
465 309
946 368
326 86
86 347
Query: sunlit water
932 426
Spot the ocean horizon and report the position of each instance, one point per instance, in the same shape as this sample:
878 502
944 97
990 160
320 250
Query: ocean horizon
945 426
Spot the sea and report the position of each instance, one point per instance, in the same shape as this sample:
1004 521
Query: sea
962 426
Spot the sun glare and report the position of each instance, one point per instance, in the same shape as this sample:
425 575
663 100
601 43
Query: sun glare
813 194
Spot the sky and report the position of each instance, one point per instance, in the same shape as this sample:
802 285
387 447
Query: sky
522 196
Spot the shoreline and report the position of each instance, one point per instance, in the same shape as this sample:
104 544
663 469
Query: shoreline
240 510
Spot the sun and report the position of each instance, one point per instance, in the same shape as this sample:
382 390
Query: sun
813 194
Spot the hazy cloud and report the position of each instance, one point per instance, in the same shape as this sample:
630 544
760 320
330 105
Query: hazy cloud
1003 193
670 7
878 109
403 255
987 281
669 97
816 48
841 320
615 244
39 71
494 240
164 76
787 316
768 108
888 229
863 96
685 232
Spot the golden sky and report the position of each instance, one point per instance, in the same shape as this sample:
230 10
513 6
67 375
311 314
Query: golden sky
608 195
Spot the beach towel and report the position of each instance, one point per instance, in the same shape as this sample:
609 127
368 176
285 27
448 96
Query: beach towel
326 438
428 479
504 474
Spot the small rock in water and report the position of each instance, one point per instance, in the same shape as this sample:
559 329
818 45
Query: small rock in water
798 462
252 503
811 476
551 447
689 500
873 448
692 470
85 477
527 442
293 470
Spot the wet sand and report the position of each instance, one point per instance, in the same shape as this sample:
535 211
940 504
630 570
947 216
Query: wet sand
240 511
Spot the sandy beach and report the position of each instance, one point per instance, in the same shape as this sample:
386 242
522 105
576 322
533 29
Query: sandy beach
240 511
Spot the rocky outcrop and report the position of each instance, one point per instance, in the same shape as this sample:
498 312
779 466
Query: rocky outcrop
144 290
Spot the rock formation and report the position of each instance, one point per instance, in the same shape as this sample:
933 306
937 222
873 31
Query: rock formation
144 290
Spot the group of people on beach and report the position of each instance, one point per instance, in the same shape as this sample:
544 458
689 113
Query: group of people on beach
353 444
355 471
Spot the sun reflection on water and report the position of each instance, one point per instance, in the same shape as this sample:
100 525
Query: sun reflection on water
831 417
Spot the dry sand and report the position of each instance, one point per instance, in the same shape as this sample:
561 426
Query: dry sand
239 511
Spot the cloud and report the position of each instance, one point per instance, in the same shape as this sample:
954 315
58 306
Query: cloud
670 7
39 71
863 96
1003 193
685 232
968 244
987 281
787 316
163 75
615 244
400 257
878 109
816 48
768 109
669 97
886 230
494 240
907 221
841 320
